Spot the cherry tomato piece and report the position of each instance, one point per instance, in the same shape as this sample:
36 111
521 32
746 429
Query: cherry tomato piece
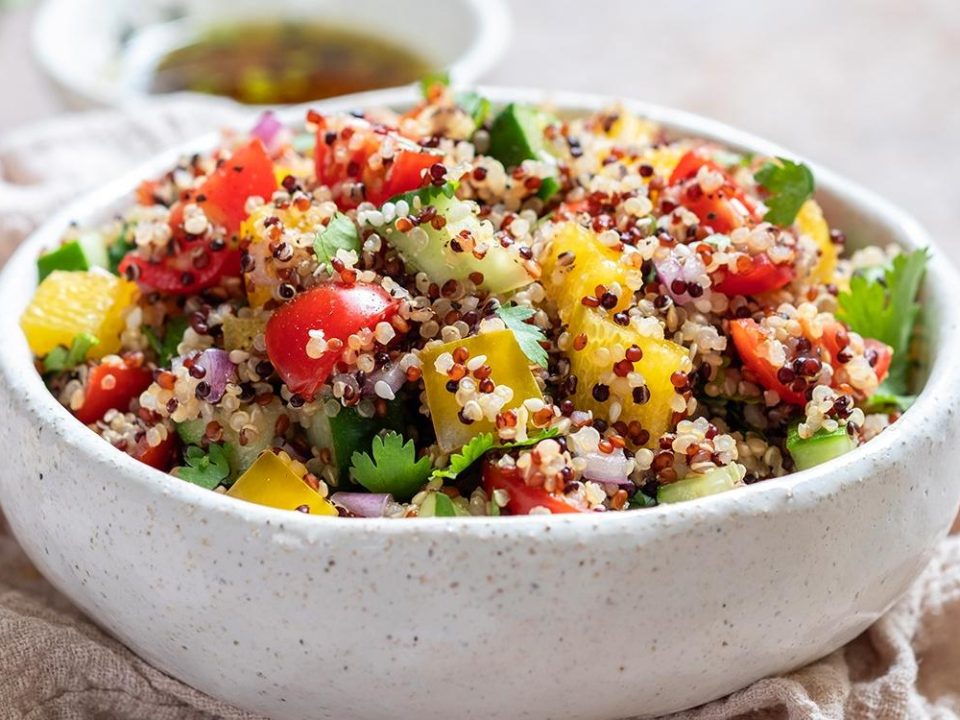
112 387
724 209
762 276
159 456
183 274
344 155
883 354
405 174
336 310
223 195
523 498
747 338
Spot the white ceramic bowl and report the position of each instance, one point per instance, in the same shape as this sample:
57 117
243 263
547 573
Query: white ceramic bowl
594 616
97 52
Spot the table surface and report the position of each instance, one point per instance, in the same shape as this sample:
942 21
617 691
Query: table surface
869 88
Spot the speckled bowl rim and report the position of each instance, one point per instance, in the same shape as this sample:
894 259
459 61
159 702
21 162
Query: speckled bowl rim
943 380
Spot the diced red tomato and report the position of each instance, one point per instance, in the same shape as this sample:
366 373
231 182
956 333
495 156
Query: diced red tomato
747 338
404 175
884 354
338 311
159 456
345 154
182 273
523 498
223 195
832 343
724 209
690 165
145 192
762 276
112 387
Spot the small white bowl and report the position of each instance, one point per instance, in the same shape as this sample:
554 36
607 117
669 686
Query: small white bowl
97 52
568 617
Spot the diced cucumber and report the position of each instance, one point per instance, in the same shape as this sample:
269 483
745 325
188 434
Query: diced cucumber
343 434
437 504
435 252
697 486
241 457
822 446
548 188
81 254
517 135
192 431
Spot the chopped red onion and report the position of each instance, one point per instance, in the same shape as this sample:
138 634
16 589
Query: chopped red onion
219 371
607 467
672 270
393 375
363 504
268 129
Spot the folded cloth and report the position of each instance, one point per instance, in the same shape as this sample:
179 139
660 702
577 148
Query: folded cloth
54 663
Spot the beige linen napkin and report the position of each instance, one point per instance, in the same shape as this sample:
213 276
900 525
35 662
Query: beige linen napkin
54 663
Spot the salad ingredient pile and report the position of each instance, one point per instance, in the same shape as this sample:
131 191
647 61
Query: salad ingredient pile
460 310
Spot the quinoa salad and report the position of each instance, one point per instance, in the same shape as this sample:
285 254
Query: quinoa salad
464 310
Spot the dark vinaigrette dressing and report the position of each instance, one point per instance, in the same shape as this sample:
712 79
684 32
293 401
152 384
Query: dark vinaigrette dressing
265 63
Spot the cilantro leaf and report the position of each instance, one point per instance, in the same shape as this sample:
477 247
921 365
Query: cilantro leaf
391 466
478 446
166 348
61 358
532 440
887 310
529 336
439 77
339 234
641 500
790 185
469 454
206 469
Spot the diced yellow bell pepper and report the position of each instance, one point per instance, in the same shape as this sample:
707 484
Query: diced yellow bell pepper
270 481
593 264
607 344
631 128
509 367
664 159
240 332
810 222
67 304
262 280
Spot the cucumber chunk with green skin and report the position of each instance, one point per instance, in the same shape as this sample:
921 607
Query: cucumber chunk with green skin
697 486
517 135
239 456
77 255
819 448
548 188
437 504
348 432
440 253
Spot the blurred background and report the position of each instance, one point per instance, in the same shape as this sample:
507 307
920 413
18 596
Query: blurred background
870 88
